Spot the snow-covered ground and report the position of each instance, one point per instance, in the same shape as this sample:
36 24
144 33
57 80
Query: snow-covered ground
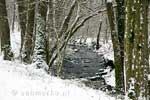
24 82
105 49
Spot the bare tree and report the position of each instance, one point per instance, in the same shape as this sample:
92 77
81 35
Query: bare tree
67 32
22 18
119 71
27 48
98 35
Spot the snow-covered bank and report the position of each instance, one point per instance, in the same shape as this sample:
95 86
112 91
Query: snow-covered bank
105 49
24 82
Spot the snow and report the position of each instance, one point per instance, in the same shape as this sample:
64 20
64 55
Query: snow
39 54
148 76
109 1
106 50
110 78
1 57
15 40
25 82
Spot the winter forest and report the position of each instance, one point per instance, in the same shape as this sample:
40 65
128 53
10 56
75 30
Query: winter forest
74 49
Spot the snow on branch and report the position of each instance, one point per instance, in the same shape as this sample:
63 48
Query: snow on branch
149 77
109 1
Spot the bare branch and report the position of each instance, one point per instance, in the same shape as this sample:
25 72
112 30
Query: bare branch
72 31
66 21
87 18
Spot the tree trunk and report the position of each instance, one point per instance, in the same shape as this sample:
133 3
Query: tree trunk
27 49
98 36
120 21
4 31
106 38
39 56
22 18
145 55
119 74
62 33
136 50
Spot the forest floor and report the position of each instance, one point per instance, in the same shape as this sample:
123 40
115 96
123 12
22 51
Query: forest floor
25 82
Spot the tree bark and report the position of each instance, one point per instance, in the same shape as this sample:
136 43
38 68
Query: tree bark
98 36
39 56
144 40
5 31
136 50
22 18
119 73
120 21
27 48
